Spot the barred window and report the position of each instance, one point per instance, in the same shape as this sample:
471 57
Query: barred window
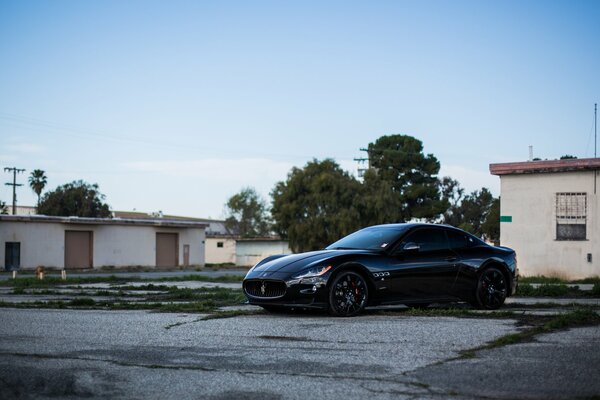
571 213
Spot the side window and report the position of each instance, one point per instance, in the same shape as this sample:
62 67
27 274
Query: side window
458 240
428 239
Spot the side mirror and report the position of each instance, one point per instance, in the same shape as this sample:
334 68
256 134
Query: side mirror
411 246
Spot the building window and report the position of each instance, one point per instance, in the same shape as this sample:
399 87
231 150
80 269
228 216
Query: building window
571 212
219 244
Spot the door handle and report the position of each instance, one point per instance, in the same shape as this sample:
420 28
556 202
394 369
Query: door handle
451 259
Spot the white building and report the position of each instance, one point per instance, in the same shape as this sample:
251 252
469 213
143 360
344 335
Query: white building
73 243
549 214
220 245
250 251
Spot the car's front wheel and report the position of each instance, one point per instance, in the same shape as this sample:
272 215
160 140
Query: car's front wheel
348 294
491 289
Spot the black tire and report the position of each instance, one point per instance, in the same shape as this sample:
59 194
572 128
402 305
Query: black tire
492 289
348 294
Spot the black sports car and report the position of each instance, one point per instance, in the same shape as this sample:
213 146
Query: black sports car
412 264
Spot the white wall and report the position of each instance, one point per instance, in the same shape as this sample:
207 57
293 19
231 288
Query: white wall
530 200
113 245
250 252
41 243
220 255
195 238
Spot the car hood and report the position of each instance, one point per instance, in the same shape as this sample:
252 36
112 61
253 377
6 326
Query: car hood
297 262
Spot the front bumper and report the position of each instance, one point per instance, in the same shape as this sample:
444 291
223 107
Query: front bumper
308 292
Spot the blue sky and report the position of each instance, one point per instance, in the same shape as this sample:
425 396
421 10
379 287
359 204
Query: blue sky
175 106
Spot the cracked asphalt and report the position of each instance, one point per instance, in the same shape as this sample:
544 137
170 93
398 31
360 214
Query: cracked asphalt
139 355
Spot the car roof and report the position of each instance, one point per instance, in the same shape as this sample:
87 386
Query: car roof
409 225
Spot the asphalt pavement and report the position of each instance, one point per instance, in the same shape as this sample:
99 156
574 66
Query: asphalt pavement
135 354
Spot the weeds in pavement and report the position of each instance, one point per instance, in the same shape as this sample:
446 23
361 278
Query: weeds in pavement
50 281
554 290
548 279
576 318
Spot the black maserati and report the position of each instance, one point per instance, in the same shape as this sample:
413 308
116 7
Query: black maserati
414 264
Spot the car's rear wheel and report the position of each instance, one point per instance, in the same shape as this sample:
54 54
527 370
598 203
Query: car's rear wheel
491 289
348 294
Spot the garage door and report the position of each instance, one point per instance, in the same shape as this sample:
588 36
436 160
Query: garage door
166 250
78 249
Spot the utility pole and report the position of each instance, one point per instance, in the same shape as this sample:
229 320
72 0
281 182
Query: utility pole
595 133
14 184
361 161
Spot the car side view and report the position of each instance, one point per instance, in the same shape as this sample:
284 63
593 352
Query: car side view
413 263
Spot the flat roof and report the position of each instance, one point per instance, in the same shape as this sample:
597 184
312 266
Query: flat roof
103 221
144 215
545 166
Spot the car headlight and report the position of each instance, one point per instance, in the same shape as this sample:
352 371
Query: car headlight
312 272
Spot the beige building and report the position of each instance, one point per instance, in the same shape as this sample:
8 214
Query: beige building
220 249
27 242
549 214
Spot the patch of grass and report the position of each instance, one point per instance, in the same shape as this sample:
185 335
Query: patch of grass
576 318
149 286
219 265
554 290
203 278
83 302
447 312
596 289
203 300
551 305
540 279
230 314
548 279
595 280
50 281
219 295
18 290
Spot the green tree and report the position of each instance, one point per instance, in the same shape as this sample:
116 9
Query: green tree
477 213
316 205
398 163
452 193
37 182
567 157
78 199
491 225
3 208
247 214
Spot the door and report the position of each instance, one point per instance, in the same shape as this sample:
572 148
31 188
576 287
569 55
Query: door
166 249
423 266
78 249
12 256
186 255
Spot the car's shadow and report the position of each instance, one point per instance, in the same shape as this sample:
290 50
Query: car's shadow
432 309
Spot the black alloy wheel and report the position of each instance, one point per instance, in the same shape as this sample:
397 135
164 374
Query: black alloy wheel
348 294
491 289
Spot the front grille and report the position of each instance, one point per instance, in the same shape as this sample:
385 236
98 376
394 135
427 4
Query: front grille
264 288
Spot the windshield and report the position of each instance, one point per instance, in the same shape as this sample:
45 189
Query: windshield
373 238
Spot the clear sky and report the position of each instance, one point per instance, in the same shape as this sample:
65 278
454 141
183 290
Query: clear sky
177 105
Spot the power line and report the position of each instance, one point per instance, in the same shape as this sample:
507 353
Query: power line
14 184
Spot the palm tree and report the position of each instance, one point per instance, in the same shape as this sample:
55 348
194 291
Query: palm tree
37 181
